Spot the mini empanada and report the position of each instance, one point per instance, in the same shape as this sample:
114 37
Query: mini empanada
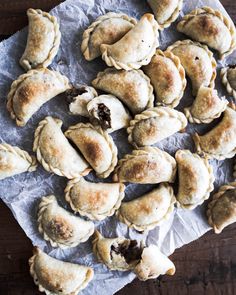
14 160
43 40
106 29
149 210
206 107
96 145
31 90
60 227
222 208
54 151
196 179
55 277
220 142
211 27
146 165
94 200
228 75
135 48
198 62
133 88
154 125
167 76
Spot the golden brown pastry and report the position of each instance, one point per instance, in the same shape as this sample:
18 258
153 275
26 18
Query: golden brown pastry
228 75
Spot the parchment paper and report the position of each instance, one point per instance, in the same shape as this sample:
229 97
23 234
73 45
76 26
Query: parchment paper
22 193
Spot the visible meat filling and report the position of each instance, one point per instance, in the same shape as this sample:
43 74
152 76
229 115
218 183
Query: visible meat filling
232 66
104 115
129 249
73 92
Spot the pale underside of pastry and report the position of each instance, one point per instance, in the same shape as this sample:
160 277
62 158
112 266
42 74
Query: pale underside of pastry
198 62
31 90
56 277
106 29
228 75
60 227
222 208
94 200
211 27
167 76
135 48
54 151
43 40
154 125
146 165
14 160
96 145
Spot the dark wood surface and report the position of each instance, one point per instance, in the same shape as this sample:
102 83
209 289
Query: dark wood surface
204 267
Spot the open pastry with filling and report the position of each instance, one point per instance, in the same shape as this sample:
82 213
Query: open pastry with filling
228 75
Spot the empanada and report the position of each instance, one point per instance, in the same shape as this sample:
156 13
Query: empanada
196 179
149 210
14 160
154 125
96 145
222 208
94 200
167 76
220 142
54 151
135 48
55 277
198 62
60 227
43 40
106 29
146 165
228 75
133 88
31 90
211 27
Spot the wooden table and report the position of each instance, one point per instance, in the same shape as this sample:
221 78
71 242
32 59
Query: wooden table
206 266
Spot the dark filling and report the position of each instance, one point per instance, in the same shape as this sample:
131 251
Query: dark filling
129 250
73 92
232 66
104 115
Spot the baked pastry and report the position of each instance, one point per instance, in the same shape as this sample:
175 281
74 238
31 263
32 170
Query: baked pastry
43 40
31 90
149 210
220 142
228 75
96 145
140 92
154 125
222 208
60 227
135 48
167 76
206 107
54 151
198 62
196 179
14 160
106 29
211 27
146 165
55 277
94 200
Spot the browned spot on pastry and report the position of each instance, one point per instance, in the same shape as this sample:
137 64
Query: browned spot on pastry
207 25
139 170
93 151
60 228
189 174
97 199
27 92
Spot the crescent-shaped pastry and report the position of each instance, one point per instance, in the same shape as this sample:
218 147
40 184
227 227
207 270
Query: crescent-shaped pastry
146 165
43 40
220 142
94 200
133 88
96 145
198 62
55 277
31 90
14 160
106 29
54 151
211 27
154 125
60 227
167 76
222 208
228 75
135 48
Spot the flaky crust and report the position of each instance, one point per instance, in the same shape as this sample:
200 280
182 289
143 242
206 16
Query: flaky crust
225 81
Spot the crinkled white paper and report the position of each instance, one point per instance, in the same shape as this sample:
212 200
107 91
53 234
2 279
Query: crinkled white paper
22 193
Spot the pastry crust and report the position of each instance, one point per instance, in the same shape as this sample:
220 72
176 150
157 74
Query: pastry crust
231 89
